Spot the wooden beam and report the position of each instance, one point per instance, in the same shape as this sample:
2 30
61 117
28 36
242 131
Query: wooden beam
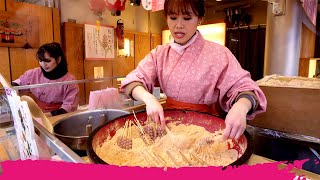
56 25
2 5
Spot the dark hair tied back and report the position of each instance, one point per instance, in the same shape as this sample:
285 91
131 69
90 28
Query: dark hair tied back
53 49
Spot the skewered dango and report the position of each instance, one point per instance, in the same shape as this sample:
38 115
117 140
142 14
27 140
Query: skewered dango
125 140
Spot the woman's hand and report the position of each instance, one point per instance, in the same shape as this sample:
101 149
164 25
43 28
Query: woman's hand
153 107
236 119
155 110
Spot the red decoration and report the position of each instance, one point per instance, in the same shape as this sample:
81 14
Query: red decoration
157 5
97 6
120 33
115 6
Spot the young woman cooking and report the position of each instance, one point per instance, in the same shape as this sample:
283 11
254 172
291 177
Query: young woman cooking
195 74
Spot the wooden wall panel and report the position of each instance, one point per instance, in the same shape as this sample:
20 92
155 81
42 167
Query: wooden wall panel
123 66
89 74
308 40
156 39
56 25
4 63
73 46
304 67
22 60
142 46
2 5
43 13
307 49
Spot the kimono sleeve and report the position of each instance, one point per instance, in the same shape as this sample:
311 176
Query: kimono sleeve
234 80
71 97
145 73
24 79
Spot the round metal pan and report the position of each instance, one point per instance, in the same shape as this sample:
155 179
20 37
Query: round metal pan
244 145
71 130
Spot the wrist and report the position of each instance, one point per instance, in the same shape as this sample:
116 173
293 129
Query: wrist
148 97
244 104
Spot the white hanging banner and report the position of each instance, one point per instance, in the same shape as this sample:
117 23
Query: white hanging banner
147 4
157 5
23 125
99 42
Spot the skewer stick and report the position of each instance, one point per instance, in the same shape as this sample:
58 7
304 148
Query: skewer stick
134 114
164 163
149 162
137 122
124 129
127 128
185 159
130 130
202 162
145 158
153 158
172 158
140 128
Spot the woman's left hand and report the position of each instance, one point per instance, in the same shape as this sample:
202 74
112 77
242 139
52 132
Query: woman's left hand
236 119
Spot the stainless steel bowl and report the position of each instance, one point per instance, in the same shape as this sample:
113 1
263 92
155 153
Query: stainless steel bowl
74 130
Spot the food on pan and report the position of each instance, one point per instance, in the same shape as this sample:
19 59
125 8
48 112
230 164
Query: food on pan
180 146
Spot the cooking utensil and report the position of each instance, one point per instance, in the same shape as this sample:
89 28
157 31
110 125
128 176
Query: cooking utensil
73 130
244 145
37 112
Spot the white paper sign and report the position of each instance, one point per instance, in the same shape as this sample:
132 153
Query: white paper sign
99 42
23 126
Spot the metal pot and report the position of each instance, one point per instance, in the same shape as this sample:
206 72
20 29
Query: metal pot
244 145
74 130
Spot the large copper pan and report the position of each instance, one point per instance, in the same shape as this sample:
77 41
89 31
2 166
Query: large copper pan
211 123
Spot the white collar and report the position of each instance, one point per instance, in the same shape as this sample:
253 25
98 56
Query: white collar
181 48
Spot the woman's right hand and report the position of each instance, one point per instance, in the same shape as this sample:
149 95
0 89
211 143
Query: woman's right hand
155 110
153 107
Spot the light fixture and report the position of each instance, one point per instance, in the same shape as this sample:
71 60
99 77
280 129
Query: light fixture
125 52
135 2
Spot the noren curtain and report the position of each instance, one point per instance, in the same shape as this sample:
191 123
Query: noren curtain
247 45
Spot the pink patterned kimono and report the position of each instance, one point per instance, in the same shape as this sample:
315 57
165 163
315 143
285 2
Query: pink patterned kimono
202 73
67 95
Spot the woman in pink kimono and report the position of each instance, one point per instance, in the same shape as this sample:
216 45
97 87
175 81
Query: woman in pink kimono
195 74
57 99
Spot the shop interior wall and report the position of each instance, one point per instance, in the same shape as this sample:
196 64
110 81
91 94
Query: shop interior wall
141 27
73 43
307 51
15 61
135 17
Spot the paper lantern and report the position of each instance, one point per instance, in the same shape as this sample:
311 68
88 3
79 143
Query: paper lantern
97 7
115 6
157 5
147 4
